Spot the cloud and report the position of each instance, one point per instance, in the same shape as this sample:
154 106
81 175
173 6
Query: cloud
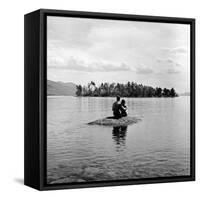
144 70
173 67
169 62
179 50
173 71
71 32
54 60
80 65
176 50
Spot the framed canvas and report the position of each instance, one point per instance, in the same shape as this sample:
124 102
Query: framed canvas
109 99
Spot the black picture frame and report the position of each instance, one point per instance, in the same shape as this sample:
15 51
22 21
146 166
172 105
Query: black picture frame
35 120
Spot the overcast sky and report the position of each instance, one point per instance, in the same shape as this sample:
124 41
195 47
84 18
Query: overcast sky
84 50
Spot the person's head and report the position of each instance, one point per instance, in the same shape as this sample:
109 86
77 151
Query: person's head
118 98
123 102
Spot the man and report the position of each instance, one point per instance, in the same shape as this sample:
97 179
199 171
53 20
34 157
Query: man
116 108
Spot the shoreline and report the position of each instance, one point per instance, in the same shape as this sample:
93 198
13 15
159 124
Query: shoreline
115 96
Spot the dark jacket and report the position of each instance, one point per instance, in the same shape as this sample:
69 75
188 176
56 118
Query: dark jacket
116 109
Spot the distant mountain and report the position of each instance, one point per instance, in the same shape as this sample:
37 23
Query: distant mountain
185 94
60 88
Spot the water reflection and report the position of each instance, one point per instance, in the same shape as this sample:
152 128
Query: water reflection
77 152
119 136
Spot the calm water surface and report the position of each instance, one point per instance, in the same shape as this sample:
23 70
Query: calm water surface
157 146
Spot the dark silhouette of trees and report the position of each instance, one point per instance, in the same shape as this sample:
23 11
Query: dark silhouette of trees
166 92
158 92
130 89
78 90
172 92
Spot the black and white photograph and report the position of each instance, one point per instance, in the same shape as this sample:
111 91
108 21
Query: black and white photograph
118 100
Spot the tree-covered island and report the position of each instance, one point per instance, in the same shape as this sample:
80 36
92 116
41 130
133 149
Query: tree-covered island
130 89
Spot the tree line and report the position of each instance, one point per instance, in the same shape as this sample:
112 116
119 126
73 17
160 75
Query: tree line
130 89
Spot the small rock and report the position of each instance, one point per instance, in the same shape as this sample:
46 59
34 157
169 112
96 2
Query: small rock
124 121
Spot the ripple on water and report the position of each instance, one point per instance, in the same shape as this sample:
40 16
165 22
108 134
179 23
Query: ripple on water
77 152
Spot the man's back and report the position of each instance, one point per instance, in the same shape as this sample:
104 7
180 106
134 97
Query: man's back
116 108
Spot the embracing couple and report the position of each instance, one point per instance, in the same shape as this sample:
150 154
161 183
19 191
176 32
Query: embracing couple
119 109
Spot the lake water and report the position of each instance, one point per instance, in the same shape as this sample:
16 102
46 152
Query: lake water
156 146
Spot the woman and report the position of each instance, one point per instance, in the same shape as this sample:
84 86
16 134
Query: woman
123 108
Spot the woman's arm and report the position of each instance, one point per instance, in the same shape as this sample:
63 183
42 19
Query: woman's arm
124 107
